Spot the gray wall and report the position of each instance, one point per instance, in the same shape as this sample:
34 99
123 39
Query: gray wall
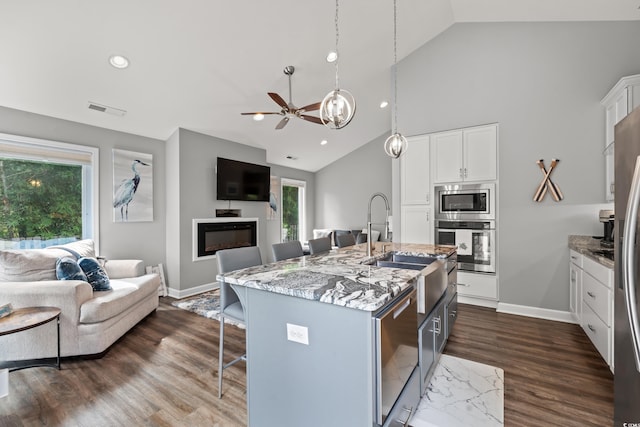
191 162
542 82
344 187
139 240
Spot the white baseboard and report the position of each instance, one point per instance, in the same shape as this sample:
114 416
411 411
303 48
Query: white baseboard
477 301
179 294
540 313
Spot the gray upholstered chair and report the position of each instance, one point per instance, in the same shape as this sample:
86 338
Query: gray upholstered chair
323 244
346 239
230 305
362 238
286 250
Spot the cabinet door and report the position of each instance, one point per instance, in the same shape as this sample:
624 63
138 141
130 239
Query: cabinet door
480 150
416 225
446 153
414 172
575 292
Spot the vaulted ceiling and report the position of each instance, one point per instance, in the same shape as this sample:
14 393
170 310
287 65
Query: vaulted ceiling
197 64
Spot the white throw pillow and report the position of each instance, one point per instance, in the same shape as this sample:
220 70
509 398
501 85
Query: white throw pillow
321 232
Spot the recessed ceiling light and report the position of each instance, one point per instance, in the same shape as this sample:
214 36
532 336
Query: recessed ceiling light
258 117
323 142
384 104
332 56
118 61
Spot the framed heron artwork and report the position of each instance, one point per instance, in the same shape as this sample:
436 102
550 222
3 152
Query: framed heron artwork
132 186
274 199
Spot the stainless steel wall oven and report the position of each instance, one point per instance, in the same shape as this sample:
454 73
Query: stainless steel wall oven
476 241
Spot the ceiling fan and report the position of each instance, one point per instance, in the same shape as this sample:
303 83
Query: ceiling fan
289 110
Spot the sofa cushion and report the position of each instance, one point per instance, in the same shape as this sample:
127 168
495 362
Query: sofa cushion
28 265
125 293
96 276
67 268
78 248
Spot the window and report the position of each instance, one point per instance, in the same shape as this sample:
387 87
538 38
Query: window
48 192
293 214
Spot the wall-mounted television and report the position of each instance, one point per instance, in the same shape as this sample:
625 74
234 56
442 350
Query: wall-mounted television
238 180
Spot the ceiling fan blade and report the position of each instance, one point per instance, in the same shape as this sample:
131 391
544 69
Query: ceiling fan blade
259 112
310 107
278 99
282 123
311 119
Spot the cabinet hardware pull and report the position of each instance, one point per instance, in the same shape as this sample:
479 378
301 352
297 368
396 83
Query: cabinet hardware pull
591 294
461 176
436 325
591 327
465 172
574 257
462 284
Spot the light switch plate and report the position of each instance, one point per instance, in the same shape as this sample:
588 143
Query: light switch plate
297 333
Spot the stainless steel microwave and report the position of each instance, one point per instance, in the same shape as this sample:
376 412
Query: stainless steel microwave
466 201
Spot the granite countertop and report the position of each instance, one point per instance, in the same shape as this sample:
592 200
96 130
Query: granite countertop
590 247
340 276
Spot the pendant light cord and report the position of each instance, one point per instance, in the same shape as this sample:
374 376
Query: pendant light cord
395 71
337 37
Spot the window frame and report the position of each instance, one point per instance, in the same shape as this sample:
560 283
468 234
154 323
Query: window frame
302 213
90 175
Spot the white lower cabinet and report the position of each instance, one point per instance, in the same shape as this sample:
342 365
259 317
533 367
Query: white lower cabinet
575 285
478 288
597 307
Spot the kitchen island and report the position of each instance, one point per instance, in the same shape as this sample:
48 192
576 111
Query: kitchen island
311 334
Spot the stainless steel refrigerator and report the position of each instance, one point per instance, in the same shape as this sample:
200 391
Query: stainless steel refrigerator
627 269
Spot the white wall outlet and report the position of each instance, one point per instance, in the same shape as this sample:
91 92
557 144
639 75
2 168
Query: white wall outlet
297 333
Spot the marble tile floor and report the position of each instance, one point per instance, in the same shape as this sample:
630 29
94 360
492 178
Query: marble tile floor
462 393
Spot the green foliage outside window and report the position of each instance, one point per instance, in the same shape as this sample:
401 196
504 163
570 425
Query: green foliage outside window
40 199
290 202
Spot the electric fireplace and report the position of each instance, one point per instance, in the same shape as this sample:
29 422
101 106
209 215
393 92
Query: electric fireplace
212 235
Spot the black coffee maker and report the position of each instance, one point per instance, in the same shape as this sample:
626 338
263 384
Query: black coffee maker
607 217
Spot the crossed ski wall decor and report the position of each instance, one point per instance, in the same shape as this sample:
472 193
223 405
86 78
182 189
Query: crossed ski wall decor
546 183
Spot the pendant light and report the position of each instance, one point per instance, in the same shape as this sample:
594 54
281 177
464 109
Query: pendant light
339 106
396 144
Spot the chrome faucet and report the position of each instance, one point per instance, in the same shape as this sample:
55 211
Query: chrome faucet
370 244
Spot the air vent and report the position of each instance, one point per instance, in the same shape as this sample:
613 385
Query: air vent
106 109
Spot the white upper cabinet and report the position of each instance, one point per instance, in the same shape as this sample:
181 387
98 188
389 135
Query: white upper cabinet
469 154
620 101
414 172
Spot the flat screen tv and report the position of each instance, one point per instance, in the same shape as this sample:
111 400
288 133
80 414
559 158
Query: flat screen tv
242 181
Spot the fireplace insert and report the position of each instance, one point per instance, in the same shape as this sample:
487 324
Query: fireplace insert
215 236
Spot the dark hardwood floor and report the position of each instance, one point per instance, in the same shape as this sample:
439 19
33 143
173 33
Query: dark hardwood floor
163 373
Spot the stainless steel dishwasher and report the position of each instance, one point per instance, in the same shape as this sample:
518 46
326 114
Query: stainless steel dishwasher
396 352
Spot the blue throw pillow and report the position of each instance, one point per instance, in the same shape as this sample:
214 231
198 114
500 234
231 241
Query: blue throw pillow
96 276
67 268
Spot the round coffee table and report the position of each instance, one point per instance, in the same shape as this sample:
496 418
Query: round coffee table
22 319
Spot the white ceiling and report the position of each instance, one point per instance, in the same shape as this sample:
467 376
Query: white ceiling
197 64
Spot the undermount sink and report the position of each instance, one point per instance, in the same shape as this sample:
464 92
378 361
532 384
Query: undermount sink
394 260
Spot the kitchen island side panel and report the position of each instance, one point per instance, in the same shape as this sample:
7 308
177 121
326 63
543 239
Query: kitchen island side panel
328 382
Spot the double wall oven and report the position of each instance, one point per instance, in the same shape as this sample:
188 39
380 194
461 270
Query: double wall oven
465 216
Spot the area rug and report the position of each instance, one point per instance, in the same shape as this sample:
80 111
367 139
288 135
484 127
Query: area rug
206 304
462 393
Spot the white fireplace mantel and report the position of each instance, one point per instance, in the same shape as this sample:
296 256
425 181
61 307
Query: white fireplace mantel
194 237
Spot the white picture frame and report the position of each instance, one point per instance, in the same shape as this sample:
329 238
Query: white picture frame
132 186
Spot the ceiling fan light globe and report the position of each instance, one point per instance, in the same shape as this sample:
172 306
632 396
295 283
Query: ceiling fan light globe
258 117
337 109
396 145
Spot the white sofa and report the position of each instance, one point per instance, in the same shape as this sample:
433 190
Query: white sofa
90 321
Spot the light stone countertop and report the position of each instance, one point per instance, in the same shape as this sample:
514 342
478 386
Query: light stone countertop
587 245
340 276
